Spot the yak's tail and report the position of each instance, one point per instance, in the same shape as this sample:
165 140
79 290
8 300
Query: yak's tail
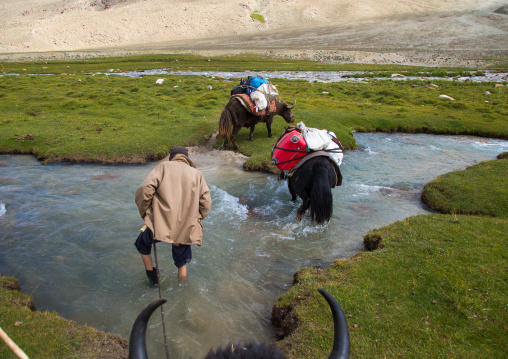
321 205
225 124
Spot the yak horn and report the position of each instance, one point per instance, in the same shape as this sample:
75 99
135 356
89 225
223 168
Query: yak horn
341 344
293 105
137 341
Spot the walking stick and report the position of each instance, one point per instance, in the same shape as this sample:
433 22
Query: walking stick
160 294
10 343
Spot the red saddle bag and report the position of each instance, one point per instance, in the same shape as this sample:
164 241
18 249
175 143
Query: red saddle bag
289 149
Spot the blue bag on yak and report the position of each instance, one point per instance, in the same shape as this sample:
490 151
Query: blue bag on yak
255 83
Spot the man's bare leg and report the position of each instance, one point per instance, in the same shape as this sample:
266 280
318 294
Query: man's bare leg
147 261
182 272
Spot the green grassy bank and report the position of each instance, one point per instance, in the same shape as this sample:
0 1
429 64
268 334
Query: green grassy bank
46 335
430 286
471 191
434 287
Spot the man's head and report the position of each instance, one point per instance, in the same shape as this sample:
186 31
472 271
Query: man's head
176 150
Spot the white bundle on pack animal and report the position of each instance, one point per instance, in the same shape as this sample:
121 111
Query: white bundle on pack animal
263 95
334 149
322 140
317 140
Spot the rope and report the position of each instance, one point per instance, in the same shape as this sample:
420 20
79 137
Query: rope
293 159
266 94
160 297
289 149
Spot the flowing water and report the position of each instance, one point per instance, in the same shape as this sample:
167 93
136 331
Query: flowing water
67 233
311 76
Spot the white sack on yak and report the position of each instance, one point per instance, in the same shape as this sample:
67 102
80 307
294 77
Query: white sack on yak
321 140
317 140
263 95
334 150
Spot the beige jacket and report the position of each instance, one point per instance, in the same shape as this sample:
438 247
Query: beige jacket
173 200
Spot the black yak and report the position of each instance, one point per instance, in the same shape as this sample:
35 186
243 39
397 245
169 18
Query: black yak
340 350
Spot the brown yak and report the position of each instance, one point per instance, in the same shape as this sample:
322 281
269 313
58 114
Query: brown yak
236 115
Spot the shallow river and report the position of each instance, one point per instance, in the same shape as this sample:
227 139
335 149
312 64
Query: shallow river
67 233
319 76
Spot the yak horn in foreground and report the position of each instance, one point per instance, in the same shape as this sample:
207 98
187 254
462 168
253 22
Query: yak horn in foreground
137 341
340 350
341 344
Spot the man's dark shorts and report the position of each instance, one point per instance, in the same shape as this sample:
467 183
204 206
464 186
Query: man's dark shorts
182 254
144 242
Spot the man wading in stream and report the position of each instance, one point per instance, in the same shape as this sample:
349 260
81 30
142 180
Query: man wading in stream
173 200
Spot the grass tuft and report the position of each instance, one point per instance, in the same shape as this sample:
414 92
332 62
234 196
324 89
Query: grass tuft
257 16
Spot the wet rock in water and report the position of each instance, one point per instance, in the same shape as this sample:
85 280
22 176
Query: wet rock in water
362 208
104 177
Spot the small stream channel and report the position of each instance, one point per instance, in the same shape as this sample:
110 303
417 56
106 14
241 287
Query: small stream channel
311 76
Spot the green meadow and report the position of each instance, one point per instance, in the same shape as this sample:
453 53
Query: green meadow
429 286
85 115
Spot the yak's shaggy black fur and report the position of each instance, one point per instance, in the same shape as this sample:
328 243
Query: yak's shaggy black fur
247 351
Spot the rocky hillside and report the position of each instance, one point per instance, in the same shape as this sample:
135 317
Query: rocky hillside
428 31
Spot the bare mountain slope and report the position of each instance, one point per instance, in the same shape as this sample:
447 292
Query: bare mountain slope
433 32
